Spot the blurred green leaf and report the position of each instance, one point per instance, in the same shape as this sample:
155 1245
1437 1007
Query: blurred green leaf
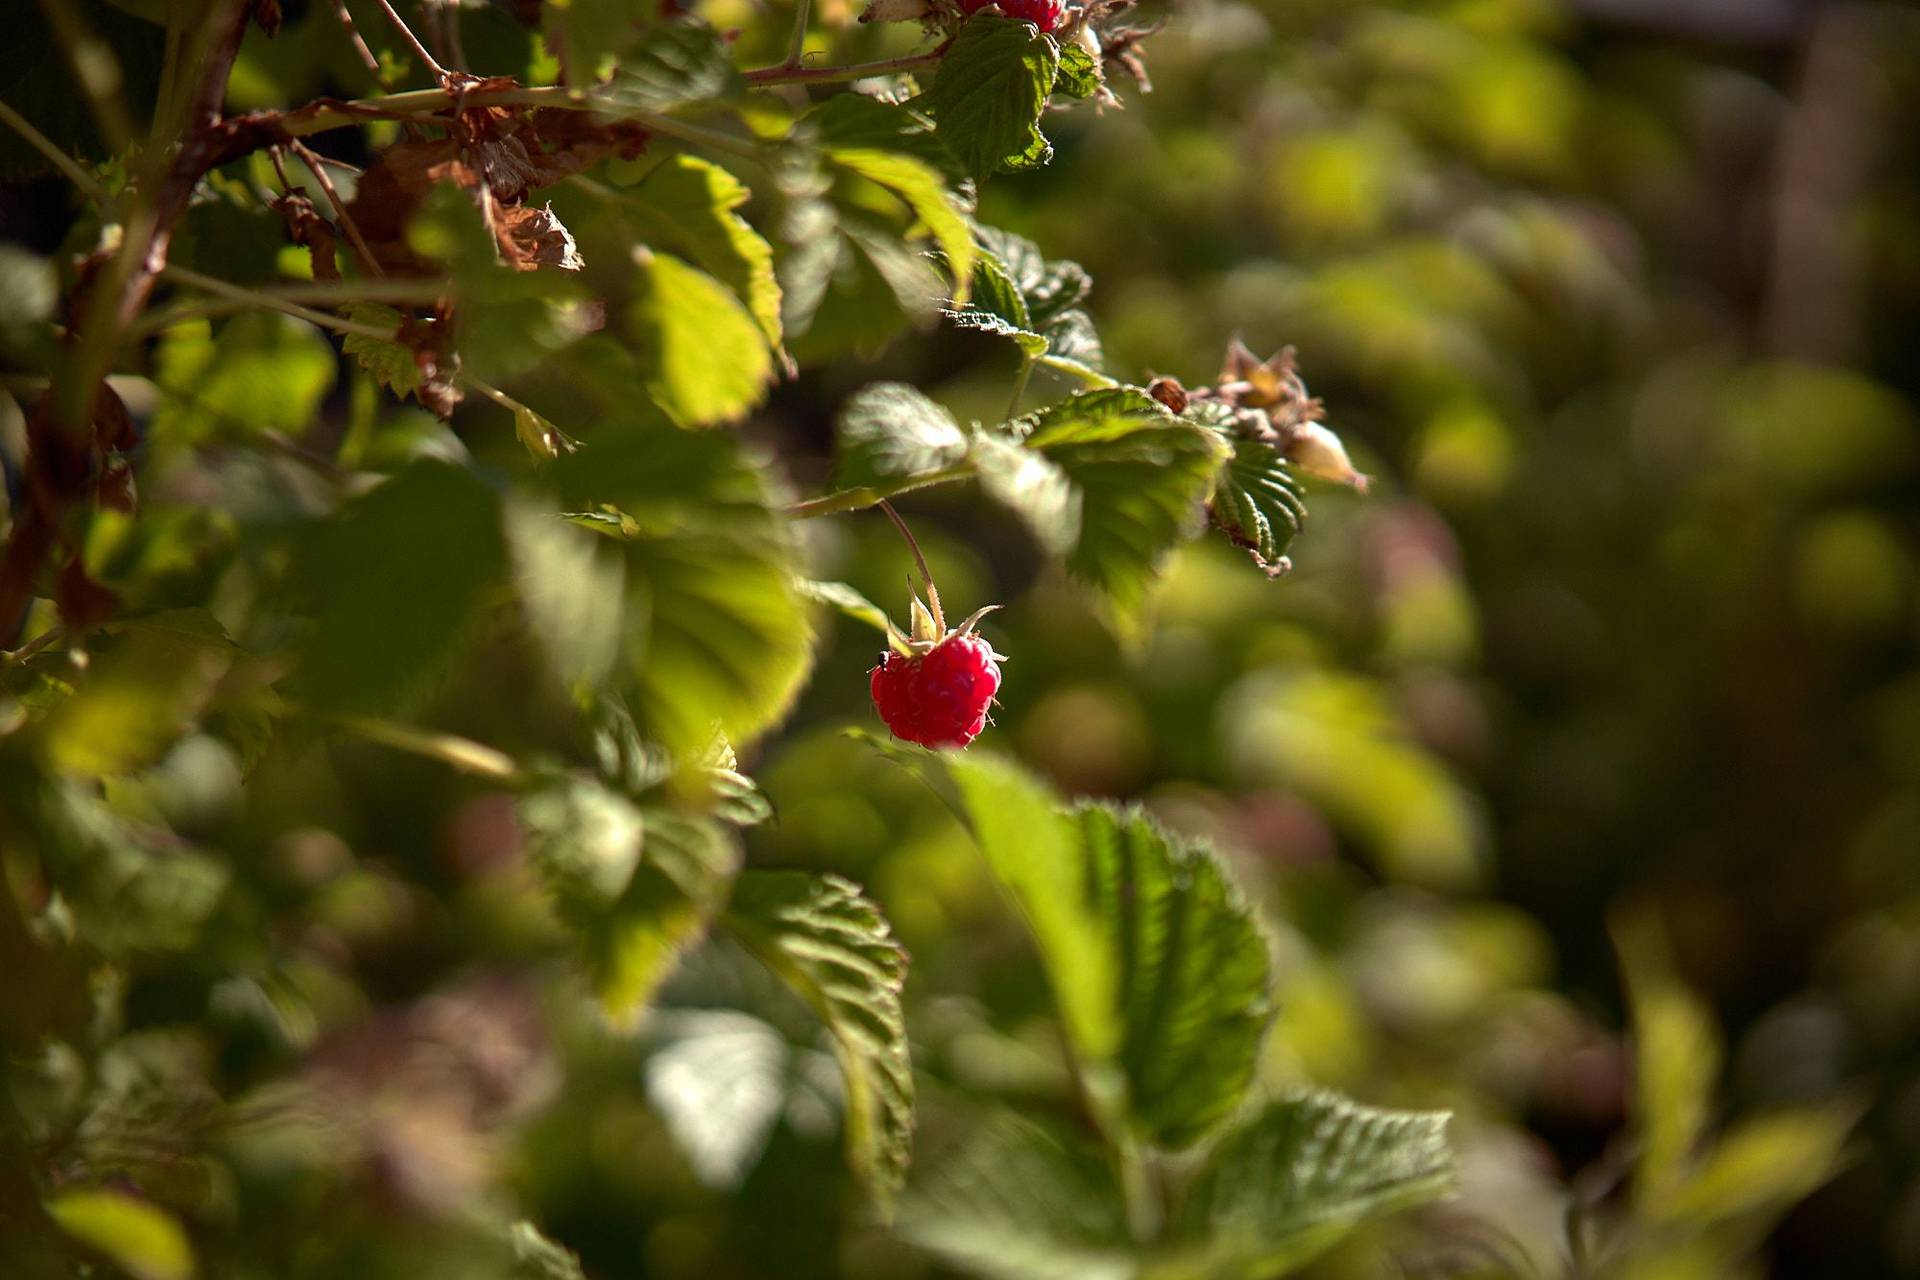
675 63
719 1078
634 884
1676 1059
397 582
703 356
591 35
139 1237
1763 1166
1289 1181
889 433
987 96
899 150
262 371
715 632
141 693
833 947
1017 1202
506 321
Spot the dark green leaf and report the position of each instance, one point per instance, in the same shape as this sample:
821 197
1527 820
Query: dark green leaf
1257 502
397 581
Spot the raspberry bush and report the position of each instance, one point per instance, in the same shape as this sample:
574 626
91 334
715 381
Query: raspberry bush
421 560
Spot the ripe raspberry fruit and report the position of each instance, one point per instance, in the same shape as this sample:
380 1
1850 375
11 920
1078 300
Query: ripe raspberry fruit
938 698
1044 14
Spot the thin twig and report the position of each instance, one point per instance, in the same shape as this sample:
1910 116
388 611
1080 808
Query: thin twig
359 46
32 646
68 167
253 297
419 50
319 171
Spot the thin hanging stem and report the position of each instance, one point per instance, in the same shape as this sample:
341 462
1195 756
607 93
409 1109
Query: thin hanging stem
926 574
797 45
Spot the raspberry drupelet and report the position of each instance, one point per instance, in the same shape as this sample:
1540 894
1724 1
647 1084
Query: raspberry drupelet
938 698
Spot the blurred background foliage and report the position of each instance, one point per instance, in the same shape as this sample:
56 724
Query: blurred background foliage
1614 668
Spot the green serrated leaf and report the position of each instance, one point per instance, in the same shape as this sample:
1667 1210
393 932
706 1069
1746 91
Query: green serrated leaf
689 203
1157 966
1079 75
714 632
391 363
1290 1181
704 358
1138 477
1020 1202
987 97
987 322
397 581
1047 288
833 947
888 434
1257 503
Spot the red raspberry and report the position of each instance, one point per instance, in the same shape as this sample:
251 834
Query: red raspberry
1044 14
938 698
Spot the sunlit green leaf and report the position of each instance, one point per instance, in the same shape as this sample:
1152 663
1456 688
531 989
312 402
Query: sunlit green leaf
1017 1202
704 358
690 204
1157 966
